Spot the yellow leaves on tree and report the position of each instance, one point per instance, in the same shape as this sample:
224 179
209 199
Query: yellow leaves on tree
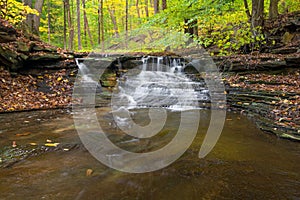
15 12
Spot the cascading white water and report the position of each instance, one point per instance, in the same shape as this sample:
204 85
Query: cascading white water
159 85
85 72
88 83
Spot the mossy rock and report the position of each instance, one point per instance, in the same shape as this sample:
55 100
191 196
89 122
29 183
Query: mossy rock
108 83
23 47
44 56
287 38
12 59
6 37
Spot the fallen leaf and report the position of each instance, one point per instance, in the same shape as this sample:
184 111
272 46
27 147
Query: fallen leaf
14 144
51 144
89 172
22 134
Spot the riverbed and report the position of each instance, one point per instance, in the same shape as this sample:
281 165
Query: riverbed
245 163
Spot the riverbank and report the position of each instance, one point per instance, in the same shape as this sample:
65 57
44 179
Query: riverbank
272 100
27 92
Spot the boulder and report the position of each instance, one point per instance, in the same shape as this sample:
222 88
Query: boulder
11 59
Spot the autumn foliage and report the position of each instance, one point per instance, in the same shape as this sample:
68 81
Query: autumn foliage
50 90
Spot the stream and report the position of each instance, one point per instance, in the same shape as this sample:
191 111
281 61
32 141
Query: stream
245 163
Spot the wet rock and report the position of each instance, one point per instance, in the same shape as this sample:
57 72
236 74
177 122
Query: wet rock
108 83
190 69
271 65
293 61
130 64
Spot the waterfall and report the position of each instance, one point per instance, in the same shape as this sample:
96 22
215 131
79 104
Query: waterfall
145 62
161 82
159 59
84 71
88 82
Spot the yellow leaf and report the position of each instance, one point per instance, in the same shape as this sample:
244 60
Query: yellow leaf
51 144
89 172
285 101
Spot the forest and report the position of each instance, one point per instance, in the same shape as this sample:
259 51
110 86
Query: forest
229 25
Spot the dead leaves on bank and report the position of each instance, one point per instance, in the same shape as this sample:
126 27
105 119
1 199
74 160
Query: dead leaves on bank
51 90
289 83
285 87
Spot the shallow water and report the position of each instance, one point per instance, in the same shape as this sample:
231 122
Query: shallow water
245 164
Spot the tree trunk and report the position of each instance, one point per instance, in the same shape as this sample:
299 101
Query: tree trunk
99 21
78 25
36 19
164 4
257 13
49 19
70 25
146 8
192 27
156 6
65 26
126 18
273 9
247 10
29 17
114 21
137 9
102 25
284 6
86 24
